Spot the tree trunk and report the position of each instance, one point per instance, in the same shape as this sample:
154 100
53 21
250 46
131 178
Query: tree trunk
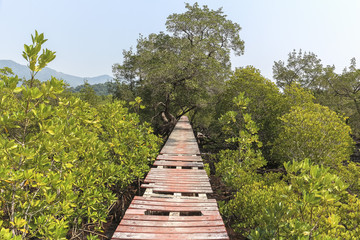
168 119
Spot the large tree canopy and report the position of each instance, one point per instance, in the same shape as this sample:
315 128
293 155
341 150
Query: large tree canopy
340 92
347 87
175 72
302 68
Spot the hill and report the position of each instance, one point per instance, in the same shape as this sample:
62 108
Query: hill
46 73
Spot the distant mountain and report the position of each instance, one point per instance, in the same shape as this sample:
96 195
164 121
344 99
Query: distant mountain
46 73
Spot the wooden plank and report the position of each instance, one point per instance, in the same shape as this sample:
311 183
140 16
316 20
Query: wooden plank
175 171
165 176
177 186
179 174
193 200
173 181
171 218
178 150
202 177
171 230
179 178
176 180
174 204
178 163
158 224
182 190
159 236
174 184
164 182
179 158
166 172
172 208
141 212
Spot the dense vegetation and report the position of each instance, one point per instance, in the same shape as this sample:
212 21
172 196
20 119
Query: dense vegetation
281 151
100 89
63 161
179 71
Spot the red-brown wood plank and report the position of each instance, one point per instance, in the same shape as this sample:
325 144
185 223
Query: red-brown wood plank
141 212
175 180
179 158
191 200
201 177
164 224
181 141
172 208
165 174
173 171
172 230
180 149
178 163
181 190
184 175
160 236
165 185
171 218
174 204
177 185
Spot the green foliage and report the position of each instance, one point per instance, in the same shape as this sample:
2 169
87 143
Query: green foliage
237 167
31 54
309 200
310 207
121 91
214 28
60 158
295 95
347 87
265 105
310 203
340 92
315 132
88 94
131 145
179 72
101 89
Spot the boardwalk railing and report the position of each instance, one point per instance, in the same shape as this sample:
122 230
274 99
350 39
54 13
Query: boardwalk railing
175 205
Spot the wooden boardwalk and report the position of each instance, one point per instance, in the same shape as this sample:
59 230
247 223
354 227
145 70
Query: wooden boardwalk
175 205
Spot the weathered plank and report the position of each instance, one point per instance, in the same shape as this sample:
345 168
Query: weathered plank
174 204
180 158
178 163
159 236
171 218
172 230
193 200
164 224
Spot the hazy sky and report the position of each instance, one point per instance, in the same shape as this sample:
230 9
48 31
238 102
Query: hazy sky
90 35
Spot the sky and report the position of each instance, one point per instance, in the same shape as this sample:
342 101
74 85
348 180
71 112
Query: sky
89 36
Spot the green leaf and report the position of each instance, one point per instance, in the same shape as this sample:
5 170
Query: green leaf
17 90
